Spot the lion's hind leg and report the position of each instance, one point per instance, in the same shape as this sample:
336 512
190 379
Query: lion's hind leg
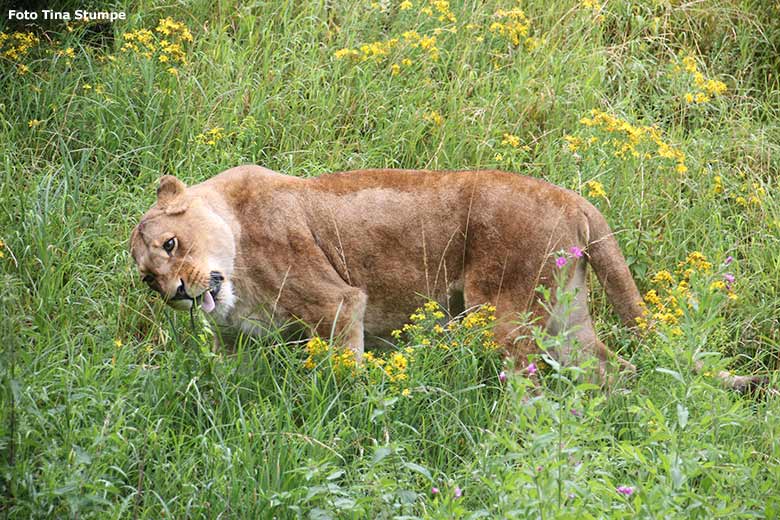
572 319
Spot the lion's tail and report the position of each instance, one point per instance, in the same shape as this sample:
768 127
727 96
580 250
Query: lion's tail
607 260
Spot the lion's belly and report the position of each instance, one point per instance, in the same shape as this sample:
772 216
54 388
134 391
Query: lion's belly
393 299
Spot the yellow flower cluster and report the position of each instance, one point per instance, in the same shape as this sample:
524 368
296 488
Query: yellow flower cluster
343 362
173 29
749 194
426 328
511 140
576 144
315 347
479 323
378 51
479 318
434 117
395 367
211 137
666 303
717 184
596 190
705 88
514 26
440 9
634 141
752 194
167 46
411 45
16 46
513 148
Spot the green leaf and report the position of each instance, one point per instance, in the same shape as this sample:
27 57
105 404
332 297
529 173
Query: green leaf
419 469
672 373
380 453
682 415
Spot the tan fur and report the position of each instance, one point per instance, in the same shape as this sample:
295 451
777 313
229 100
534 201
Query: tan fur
353 254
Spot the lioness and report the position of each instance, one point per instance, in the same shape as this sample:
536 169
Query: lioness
353 254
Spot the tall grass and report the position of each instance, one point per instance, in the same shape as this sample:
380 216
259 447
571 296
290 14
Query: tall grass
114 406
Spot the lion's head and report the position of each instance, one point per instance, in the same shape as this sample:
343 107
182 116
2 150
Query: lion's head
184 249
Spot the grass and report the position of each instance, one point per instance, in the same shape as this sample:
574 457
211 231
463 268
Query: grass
114 406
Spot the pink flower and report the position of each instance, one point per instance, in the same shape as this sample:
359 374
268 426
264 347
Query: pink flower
531 369
728 260
458 492
434 490
576 252
560 261
502 377
729 278
625 490
575 412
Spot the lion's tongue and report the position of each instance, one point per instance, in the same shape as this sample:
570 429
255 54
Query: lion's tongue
208 302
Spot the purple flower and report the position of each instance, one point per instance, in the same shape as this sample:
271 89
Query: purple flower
560 261
576 252
502 377
458 492
434 490
625 490
575 412
728 260
729 278
531 369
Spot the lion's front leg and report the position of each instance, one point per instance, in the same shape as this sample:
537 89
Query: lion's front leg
314 293
341 318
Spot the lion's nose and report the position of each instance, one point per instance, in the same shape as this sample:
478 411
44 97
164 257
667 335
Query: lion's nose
181 292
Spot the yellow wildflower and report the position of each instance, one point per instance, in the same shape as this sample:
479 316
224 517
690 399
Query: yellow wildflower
431 306
346 53
511 140
434 117
573 142
596 190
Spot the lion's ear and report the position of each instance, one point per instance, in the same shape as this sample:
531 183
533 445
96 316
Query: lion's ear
169 194
169 188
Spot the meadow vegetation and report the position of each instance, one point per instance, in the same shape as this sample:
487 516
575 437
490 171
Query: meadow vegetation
663 113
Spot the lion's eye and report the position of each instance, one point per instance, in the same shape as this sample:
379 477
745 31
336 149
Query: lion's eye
169 245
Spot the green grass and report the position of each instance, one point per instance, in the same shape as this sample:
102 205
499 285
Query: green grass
162 426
